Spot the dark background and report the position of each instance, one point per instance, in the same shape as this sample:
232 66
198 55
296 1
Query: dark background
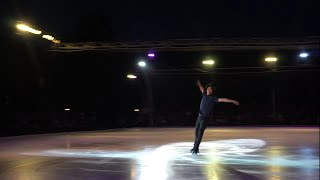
37 84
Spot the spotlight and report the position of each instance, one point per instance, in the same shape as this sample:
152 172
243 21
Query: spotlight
271 59
131 76
208 62
151 55
142 64
304 55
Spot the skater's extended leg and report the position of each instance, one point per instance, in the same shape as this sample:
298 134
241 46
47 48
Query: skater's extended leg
202 126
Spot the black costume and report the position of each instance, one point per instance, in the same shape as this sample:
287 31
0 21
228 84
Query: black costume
205 114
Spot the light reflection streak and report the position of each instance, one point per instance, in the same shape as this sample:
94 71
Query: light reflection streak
211 172
275 157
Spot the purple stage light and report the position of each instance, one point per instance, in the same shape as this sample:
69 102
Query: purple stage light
151 55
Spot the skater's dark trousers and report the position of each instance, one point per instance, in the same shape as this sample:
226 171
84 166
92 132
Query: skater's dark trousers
201 125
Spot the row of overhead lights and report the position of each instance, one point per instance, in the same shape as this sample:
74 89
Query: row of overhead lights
210 62
274 59
26 28
143 64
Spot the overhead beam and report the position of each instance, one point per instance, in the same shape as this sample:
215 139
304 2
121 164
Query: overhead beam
194 45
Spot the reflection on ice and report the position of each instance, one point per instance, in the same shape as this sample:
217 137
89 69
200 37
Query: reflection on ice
157 163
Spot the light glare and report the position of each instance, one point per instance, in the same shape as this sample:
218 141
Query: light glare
142 64
271 59
304 55
151 55
48 37
24 27
131 76
56 41
208 62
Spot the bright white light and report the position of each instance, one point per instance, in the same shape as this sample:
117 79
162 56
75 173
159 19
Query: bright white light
142 64
24 27
271 59
304 55
136 110
48 37
67 109
131 76
208 62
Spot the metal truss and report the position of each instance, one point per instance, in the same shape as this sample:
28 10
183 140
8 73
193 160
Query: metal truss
194 45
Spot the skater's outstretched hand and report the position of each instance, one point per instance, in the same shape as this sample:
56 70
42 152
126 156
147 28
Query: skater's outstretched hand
236 102
226 100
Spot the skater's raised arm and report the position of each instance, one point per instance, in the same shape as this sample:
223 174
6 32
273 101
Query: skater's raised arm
200 86
226 100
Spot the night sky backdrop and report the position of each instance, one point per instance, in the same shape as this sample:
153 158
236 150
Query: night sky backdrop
147 20
35 80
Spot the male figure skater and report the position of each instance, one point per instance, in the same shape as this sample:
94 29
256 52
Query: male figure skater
207 104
